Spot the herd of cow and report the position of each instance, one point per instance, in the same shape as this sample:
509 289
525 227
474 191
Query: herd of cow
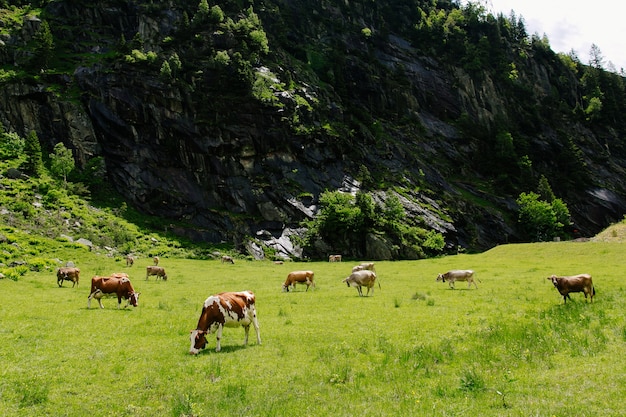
233 309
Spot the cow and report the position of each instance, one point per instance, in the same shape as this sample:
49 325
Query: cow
299 277
366 266
334 258
155 260
458 275
577 283
230 309
228 259
68 274
360 279
130 260
113 285
159 271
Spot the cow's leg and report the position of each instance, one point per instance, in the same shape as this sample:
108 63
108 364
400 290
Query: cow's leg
89 300
360 291
100 302
246 332
255 323
218 337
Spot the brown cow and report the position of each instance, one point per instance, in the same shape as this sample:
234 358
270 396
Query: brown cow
130 260
155 260
159 271
68 274
113 285
230 309
299 277
577 283
228 259
360 279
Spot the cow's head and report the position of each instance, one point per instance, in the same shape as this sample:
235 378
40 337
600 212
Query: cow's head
198 341
285 288
347 281
440 277
133 298
555 280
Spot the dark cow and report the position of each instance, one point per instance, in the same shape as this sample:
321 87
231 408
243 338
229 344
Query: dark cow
365 278
228 259
230 309
577 283
68 274
458 275
299 277
159 271
130 260
114 286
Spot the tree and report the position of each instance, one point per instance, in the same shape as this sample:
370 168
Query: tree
61 162
32 148
596 59
44 46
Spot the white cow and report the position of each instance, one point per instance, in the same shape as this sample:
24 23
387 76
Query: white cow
458 275
369 266
360 279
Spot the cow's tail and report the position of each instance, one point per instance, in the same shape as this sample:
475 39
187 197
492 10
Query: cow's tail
594 290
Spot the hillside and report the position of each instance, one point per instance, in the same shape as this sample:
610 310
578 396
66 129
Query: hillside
229 122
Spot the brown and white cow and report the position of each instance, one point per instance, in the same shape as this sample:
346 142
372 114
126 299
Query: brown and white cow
334 258
113 286
576 283
228 259
369 266
299 277
458 275
230 309
360 279
130 260
68 274
159 271
155 260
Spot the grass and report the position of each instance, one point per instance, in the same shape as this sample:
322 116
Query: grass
510 348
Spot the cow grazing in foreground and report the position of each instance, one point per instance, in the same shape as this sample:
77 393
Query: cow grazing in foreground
369 266
68 274
458 275
228 259
360 279
334 258
230 309
130 260
155 260
299 277
114 286
577 283
159 271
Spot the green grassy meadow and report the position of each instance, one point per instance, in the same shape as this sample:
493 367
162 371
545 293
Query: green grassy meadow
510 348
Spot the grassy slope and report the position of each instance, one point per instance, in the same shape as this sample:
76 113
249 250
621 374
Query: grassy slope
414 348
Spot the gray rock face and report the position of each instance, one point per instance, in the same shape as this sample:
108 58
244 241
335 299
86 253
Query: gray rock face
232 167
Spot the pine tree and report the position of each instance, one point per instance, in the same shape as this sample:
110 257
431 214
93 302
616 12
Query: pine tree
32 149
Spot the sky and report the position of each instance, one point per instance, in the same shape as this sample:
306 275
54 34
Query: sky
569 25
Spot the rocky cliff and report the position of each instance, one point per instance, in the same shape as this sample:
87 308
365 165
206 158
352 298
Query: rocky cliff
262 108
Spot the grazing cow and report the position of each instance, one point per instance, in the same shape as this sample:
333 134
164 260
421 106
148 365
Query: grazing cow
68 274
363 267
159 271
577 283
360 279
155 260
334 258
299 277
230 309
458 275
130 260
115 286
228 259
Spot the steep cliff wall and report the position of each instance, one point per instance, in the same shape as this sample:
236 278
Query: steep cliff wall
199 147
